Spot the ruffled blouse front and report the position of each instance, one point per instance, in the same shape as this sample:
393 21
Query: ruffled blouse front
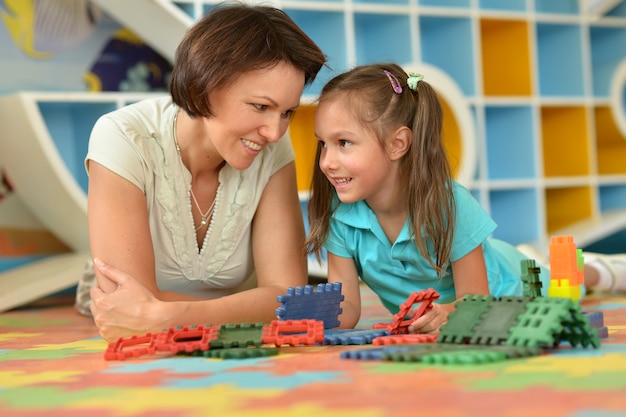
137 142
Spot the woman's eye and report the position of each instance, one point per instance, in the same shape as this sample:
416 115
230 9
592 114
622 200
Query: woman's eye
260 106
288 114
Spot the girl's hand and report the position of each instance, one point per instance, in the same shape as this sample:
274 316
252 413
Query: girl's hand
432 320
121 305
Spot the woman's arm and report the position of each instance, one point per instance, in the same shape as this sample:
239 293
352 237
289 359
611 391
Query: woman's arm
343 270
118 227
136 306
470 277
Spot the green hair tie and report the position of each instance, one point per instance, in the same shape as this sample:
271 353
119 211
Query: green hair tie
413 80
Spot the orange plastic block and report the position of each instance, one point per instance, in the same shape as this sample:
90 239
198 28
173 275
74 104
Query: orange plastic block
565 260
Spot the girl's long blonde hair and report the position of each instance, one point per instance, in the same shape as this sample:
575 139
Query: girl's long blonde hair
425 169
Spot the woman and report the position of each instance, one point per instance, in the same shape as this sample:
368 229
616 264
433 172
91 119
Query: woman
193 194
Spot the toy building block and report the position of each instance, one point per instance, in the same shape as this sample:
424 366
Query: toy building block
405 316
549 321
442 353
293 332
565 261
467 315
302 303
563 289
596 320
236 353
373 353
518 321
530 278
187 339
237 335
494 326
405 339
132 347
352 336
184 338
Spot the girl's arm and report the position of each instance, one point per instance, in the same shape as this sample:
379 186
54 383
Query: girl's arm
344 270
127 300
470 277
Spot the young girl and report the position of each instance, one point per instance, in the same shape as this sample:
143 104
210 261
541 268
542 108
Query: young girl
387 210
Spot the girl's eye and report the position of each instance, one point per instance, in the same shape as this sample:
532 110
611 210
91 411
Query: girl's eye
343 143
321 143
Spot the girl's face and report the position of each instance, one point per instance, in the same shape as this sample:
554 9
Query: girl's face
254 111
352 158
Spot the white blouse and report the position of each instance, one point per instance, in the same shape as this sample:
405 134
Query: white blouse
137 143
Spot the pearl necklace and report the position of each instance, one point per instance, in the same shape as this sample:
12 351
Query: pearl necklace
204 216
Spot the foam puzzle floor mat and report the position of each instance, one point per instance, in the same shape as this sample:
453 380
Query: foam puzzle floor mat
52 363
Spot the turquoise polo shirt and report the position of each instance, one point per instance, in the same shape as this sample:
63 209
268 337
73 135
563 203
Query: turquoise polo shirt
395 270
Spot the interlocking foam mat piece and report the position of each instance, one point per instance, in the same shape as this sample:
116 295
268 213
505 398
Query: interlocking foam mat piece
52 363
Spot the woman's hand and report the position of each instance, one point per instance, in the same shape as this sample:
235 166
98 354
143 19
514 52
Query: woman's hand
431 321
121 305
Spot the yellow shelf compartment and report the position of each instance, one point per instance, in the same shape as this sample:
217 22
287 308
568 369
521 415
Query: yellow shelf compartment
567 206
610 143
565 141
505 57
302 133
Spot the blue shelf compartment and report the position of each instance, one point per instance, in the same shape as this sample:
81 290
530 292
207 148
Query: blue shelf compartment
511 152
568 7
608 49
328 30
612 197
69 124
516 211
449 33
560 69
499 5
383 38
445 3
618 11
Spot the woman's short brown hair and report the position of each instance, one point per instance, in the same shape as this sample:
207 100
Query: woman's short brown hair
233 39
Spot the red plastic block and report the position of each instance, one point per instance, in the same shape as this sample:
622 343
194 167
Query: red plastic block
404 317
131 347
293 332
186 338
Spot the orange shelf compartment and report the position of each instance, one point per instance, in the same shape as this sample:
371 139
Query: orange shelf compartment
505 58
611 144
451 138
302 132
567 206
565 141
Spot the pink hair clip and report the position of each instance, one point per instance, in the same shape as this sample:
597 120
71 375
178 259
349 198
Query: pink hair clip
394 82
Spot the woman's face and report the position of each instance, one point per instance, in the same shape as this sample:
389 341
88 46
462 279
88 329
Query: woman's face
253 111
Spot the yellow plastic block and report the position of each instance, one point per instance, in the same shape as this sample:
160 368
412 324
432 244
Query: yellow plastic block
565 291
